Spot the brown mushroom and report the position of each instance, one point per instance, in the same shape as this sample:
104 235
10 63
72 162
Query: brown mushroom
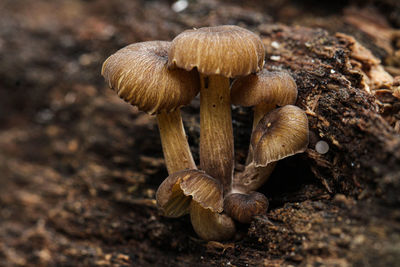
198 193
139 74
279 134
218 53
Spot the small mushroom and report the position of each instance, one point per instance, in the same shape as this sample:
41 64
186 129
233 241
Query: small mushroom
279 134
243 207
263 91
218 53
140 76
198 193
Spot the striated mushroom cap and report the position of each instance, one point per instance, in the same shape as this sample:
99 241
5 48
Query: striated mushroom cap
139 74
178 190
223 50
281 133
277 88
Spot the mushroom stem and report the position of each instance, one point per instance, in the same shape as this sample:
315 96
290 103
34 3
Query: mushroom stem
174 143
216 134
251 178
211 225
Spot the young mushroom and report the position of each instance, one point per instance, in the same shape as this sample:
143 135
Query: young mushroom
219 53
198 193
279 134
244 206
264 91
140 76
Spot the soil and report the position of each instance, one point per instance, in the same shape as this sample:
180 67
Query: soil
79 167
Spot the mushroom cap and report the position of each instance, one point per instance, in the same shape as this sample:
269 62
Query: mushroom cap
242 207
180 188
139 74
226 50
281 133
277 88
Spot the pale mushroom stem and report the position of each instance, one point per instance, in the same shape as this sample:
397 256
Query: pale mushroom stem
216 134
251 178
211 225
176 149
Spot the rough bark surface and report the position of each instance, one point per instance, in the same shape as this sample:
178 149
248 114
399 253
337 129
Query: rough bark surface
79 167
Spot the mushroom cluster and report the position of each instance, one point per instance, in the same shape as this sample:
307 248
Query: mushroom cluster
224 64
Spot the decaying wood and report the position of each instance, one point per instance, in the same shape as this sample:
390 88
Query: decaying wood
330 71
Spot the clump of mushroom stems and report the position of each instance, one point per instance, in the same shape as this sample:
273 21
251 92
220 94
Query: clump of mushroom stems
201 192
218 53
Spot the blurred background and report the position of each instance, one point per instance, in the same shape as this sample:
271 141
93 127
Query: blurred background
79 167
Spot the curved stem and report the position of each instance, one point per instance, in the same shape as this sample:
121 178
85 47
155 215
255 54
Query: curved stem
252 178
216 134
174 143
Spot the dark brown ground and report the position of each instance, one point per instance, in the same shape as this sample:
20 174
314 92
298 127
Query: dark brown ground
79 167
